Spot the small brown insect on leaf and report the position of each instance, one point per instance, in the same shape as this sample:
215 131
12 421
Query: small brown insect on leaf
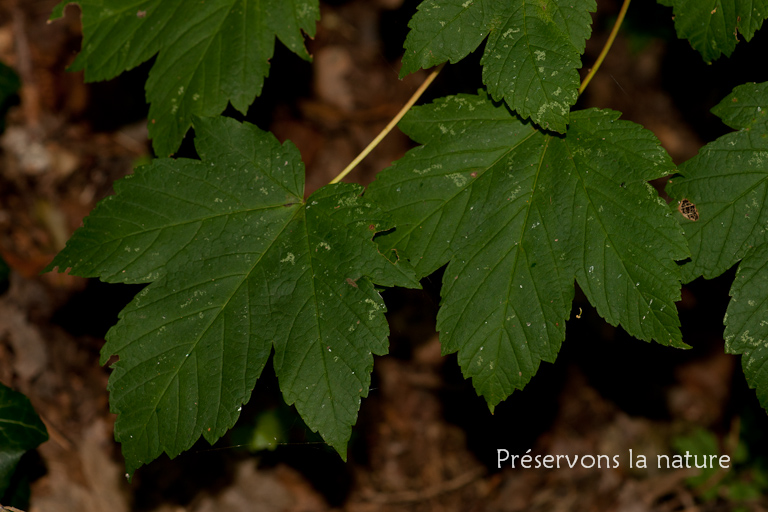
372 227
688 210
141 14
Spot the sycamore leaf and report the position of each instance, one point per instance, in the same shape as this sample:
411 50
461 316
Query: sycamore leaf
728 184
20 430
446 31
713 27
532 56
746 320
745 107
208 54
238 264
519 214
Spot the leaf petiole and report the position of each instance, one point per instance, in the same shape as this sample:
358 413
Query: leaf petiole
392 123
607 46
416 95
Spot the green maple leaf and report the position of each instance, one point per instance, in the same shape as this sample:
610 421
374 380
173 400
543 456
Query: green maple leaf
532 56
745 320
20 430
208 53
239 264
519 214
728 184
713 27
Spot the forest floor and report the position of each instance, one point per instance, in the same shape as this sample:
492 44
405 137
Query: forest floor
424 441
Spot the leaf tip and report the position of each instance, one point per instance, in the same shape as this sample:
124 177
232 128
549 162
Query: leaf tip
58 10
341 449
52 266
491 404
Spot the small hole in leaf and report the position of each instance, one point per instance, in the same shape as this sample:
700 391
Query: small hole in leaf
688 210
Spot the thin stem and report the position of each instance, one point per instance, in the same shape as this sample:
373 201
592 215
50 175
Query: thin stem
416 95
392 123
607 46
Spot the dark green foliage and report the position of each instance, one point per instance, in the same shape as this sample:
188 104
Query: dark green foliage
728 183
520 214
519 199
714 28
239 264
531 57
20 430
208 53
